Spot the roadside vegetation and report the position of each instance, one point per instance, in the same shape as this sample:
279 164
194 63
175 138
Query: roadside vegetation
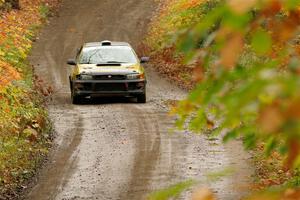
240 60
24 126
172 17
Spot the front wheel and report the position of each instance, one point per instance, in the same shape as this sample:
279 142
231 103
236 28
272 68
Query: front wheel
75 99
141 98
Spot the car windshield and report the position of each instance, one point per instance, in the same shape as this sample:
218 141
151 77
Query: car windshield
107 54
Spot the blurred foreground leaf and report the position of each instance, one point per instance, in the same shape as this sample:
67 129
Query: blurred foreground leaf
172 191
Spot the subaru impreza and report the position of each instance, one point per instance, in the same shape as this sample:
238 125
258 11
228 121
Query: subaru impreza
107 69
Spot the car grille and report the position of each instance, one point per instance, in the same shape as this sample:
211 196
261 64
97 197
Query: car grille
109 77
110 87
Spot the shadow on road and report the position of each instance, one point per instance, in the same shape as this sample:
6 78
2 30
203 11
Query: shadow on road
107 100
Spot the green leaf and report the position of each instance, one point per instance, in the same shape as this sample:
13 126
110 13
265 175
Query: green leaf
261 42
172 191
283 149
215 176
230 135
270 146
292 4
188 43
198 123
250 140
236 21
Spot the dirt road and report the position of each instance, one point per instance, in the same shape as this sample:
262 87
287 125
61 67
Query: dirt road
115 148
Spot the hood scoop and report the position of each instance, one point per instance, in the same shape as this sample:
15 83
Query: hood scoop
109 64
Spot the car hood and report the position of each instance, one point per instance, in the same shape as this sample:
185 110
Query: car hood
127 68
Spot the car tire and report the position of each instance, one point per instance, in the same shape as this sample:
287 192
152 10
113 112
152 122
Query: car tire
71 83
75 99
141 98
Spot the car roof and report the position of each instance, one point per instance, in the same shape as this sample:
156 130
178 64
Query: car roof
106 43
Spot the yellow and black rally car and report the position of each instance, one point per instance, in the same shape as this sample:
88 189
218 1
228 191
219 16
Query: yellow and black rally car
107 69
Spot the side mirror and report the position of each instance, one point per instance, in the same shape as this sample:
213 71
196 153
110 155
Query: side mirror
145 59
71 62
78 51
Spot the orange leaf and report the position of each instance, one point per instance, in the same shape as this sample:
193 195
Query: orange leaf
270 119
203 194
231 51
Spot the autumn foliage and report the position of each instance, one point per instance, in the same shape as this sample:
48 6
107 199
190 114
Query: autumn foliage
8 74
24 137
243 58
264 90
15 38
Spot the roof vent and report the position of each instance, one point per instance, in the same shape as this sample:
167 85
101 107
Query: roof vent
106 43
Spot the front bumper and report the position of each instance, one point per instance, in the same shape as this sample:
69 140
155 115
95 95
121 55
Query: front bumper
108 87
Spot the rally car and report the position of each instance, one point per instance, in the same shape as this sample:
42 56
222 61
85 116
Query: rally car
107 69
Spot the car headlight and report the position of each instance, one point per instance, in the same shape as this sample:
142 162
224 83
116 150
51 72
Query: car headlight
135 76
86 77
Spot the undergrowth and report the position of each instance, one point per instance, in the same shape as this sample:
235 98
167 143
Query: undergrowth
24 125
173 17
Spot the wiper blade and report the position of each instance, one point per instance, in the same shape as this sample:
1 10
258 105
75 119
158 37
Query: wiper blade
108 64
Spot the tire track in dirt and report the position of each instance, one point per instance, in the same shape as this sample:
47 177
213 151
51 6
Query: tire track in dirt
63 158
147 150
